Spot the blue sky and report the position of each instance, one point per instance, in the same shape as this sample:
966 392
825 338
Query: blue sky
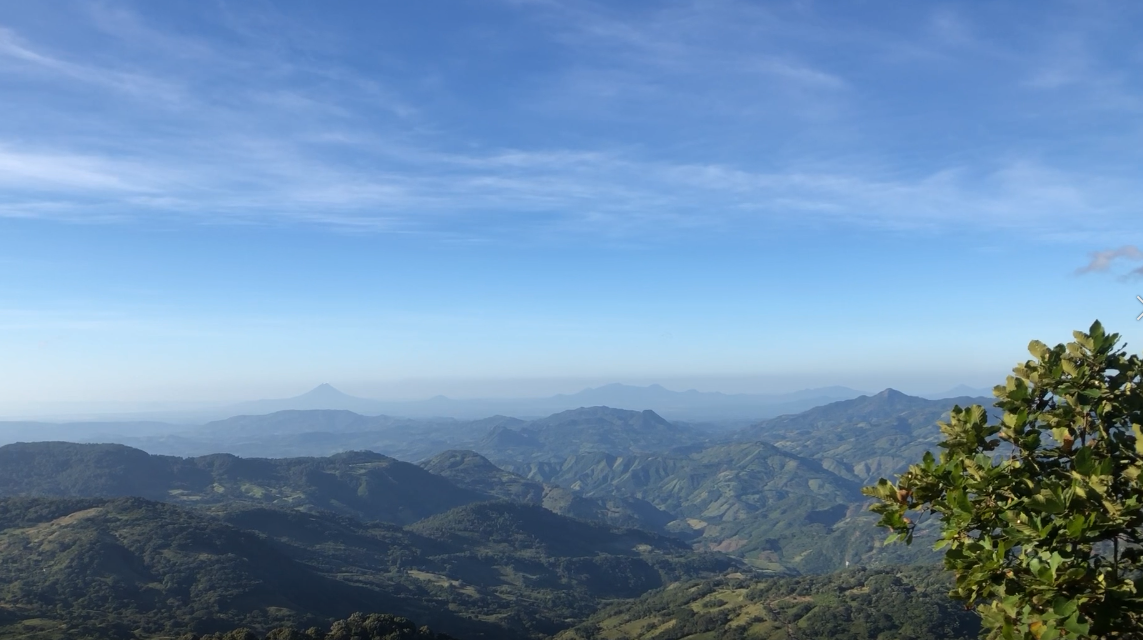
223 200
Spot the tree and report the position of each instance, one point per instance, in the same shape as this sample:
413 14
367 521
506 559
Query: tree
1041 514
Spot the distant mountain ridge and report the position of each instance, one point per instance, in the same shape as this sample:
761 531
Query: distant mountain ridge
676 405
679 404
323 396
586 429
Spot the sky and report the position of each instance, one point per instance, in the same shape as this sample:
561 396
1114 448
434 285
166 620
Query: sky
218 201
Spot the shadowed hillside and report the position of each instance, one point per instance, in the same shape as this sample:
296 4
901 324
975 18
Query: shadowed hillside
128 567
362 484
472 470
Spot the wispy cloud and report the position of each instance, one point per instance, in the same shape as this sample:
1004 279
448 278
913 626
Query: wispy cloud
1102 261
246 129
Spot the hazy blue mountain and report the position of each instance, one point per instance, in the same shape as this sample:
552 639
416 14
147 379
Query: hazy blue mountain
29 431
864 438
692 404
586 429
293 421
960 391
689 405
294 433
195 432
324 396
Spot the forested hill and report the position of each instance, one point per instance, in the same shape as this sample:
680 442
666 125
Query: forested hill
472 470
892 602
778 510
130 568
361 484
861 439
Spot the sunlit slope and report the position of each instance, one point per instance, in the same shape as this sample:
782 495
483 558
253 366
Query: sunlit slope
853 605
779 510
129 567
865 438
108 568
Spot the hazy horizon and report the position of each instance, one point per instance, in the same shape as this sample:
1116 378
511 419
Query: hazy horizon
531 389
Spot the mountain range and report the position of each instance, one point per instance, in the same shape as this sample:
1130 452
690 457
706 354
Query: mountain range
677 405
507 527
220 541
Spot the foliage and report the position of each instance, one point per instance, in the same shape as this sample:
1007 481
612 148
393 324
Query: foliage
1041 513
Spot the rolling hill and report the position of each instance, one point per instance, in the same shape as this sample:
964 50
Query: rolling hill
131 568
472 470
778 510
362 484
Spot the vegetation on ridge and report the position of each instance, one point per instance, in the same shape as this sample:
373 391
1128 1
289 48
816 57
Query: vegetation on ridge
1041 513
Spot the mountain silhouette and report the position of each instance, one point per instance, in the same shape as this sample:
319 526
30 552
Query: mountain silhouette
323 396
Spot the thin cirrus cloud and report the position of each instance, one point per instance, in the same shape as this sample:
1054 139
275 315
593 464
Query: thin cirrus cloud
245 129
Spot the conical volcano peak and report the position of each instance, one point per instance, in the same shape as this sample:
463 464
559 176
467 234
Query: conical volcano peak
324 390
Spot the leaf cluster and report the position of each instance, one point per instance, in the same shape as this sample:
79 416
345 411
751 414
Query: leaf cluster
1041 513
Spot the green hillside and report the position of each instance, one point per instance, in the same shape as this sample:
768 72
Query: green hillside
473 471
778 510
906 603
130 568
861 439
